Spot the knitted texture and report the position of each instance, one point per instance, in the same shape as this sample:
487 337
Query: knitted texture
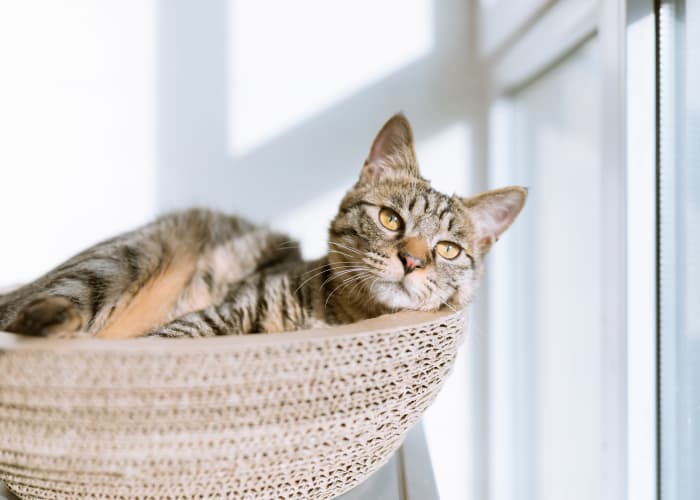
296 415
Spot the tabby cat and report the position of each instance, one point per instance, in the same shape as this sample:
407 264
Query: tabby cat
394 244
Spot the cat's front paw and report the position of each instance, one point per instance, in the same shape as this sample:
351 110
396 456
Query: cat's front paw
48 316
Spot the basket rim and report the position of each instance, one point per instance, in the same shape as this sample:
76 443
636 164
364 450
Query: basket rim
11 342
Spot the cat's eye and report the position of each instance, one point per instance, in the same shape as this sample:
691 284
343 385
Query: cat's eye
448 250
390 219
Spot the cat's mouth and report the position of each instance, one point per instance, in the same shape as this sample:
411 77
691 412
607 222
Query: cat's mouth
392 288
397 293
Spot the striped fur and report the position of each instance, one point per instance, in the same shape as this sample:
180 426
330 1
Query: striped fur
200 273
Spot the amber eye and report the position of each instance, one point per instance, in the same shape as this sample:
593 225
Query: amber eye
448 250
390 219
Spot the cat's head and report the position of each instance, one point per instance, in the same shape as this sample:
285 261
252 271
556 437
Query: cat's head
397 243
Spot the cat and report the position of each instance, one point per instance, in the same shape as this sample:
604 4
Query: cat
395 244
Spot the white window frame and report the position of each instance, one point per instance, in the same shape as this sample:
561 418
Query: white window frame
626 33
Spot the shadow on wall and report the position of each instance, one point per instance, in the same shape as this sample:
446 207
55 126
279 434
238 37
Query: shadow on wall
316 154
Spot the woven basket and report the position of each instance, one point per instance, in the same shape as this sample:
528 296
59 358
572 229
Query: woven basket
304 414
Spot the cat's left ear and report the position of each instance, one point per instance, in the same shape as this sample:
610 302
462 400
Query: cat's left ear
392 153
492 212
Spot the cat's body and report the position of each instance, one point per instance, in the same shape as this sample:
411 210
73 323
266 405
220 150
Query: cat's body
395 244
129 285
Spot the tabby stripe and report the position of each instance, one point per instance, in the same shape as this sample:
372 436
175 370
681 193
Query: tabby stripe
397 199
213 325
111 311
232 292
81 278
243 316
261 306
346 232
174 330
427 203
343 232
98 286
74 275
131 257
184 324
283 296
298 289
326 279
449 224
98 296
215 315
170 334
279 257
252 314
352 207
412 204
208 279
265 255
471 259
70 265
236 314
304 300
228 318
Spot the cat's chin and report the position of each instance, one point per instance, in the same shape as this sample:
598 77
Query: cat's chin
396 295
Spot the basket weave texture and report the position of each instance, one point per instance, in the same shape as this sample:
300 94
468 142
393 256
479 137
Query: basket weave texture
297 415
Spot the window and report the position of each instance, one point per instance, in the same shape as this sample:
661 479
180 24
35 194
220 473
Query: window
679 227
546 371
571 377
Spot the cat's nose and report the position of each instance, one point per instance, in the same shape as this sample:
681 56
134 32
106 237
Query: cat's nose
410 262
413 253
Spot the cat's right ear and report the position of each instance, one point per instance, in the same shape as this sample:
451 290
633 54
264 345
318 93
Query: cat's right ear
392 153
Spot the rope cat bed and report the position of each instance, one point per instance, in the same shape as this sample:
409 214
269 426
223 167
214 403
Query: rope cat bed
305 414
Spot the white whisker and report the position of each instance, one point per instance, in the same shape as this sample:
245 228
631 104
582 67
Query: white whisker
289 244
345 247
342 253
309 279
335 264
343 272
343 284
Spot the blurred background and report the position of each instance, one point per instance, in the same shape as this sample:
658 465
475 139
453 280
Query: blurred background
580 373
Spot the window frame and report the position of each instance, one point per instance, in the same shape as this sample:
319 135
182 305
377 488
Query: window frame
627 35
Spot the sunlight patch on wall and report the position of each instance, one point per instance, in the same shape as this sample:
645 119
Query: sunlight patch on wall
283 69
444 159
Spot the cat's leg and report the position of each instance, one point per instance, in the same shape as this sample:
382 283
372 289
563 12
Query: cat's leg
238 318
211 322
129 284
222 319
262 303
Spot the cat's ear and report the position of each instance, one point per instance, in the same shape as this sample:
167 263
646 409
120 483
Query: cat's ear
392 153
492 212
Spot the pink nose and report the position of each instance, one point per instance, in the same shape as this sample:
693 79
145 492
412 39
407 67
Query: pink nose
410 262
